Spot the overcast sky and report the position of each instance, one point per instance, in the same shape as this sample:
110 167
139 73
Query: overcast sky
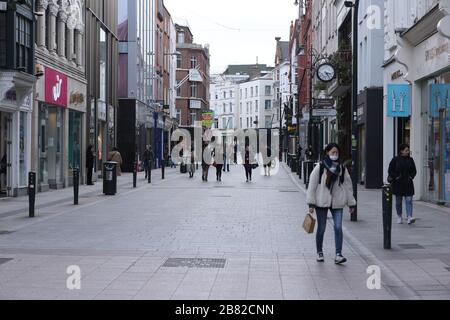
237 31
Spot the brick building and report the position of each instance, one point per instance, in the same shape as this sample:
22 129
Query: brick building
192 78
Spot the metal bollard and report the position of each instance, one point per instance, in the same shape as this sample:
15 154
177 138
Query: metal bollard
149 172
134 175
31 193
387 216
163 168
76 185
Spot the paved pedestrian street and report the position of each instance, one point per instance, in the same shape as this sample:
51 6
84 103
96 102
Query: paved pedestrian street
185 239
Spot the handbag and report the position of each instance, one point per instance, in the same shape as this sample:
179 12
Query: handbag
254 166
309 224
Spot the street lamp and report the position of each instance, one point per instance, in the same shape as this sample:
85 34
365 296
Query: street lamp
355 6
315 59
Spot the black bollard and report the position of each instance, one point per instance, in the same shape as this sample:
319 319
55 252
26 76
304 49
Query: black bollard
135 175
387 216
31 193
149 172
76 185
163 168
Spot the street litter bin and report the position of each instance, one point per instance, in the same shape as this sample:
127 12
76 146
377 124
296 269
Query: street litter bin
110 178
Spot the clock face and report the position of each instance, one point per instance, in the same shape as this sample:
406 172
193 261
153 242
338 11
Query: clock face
326 72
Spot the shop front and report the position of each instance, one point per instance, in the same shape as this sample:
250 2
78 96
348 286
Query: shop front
15 147
424 87
60 121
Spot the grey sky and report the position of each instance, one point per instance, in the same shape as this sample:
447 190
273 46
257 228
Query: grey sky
237 30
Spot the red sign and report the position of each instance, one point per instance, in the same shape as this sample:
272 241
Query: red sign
55 87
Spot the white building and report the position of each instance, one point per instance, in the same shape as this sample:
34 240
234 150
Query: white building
417 82
242 97
282 84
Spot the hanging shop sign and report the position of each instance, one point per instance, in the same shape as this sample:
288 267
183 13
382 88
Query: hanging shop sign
324 112
399 101
440 98
195 76
207 119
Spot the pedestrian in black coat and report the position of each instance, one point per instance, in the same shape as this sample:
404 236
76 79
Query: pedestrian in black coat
90 157
402 171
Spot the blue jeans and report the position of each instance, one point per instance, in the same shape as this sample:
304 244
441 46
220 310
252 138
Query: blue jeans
322 225
399 206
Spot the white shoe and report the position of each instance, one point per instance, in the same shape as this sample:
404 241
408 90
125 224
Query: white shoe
399 220
320 257
411 220
340 259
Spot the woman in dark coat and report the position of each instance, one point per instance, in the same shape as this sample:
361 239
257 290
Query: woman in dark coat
248 164
402 171
90 156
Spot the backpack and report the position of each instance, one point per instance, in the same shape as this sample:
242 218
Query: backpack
322 170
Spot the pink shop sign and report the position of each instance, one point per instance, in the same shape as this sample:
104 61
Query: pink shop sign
55 87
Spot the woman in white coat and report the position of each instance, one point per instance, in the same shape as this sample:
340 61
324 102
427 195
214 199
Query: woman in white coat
330 189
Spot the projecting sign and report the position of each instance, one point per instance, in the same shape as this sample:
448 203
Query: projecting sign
399 100
3 6
195 76
324 112
324 102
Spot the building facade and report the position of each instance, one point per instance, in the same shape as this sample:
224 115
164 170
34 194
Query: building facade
102 62
60 104
417 91
193 78
137 74
17 79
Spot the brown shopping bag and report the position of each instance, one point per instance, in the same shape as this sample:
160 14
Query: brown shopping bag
309 224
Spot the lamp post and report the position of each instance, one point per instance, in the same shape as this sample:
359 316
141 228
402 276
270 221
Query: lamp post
314 58
355 6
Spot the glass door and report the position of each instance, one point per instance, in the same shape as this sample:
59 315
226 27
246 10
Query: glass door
55 147
5 154
437 171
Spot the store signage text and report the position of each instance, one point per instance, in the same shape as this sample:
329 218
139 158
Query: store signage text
437 51
55 87
76 98
397 75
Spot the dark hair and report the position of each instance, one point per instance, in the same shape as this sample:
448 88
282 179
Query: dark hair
403 146
115 149
331 146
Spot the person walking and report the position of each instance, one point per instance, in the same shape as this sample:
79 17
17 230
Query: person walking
90 157
331 189
115 156
248 165
148 158
205 165
402 171
267 161
192 166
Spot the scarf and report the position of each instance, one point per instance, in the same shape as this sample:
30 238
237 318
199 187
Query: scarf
333 171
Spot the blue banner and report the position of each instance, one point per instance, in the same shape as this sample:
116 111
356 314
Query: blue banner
399 100
440 98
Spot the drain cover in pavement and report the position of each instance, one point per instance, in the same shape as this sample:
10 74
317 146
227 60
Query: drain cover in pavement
195 263
5 232
411 246
4 260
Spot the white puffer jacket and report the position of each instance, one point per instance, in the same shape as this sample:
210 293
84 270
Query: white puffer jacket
319 195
